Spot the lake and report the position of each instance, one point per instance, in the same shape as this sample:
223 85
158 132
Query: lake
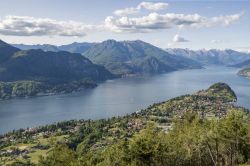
117 97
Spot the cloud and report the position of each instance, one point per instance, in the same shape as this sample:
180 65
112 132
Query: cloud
156 21
216 41
143 5
178 39
30 26
170 44
126 11
152 6
243 49
227 20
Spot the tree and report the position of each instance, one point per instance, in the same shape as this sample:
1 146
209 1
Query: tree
60 155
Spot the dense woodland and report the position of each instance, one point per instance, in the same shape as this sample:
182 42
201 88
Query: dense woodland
34 88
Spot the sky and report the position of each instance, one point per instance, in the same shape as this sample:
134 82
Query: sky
166 24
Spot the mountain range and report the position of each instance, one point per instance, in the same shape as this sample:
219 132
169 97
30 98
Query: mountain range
226 57
212 56
73 47
124 57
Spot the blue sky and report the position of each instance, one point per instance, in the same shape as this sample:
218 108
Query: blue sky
185 24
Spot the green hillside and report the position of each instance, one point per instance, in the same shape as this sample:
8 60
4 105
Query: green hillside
10 90
51 67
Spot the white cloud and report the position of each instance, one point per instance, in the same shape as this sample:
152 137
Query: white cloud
143 5
227 20
153 6
243 49
170 44
126 11
30 26
156 21
216 41
178 39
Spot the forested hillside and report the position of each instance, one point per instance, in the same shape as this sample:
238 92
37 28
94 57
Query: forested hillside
36 72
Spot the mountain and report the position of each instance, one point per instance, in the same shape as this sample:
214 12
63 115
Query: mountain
6 51
213 56
136 57
244 72
204 57
48 71
44 47
243 64
76 47
47 66
73 47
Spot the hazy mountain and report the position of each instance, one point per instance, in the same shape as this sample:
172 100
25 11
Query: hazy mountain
213 56
44 47
133 57
48 66
243 64
73 47
76 47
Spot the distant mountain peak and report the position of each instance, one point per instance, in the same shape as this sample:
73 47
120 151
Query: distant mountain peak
110 41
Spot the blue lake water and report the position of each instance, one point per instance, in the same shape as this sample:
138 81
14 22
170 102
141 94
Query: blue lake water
117 97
